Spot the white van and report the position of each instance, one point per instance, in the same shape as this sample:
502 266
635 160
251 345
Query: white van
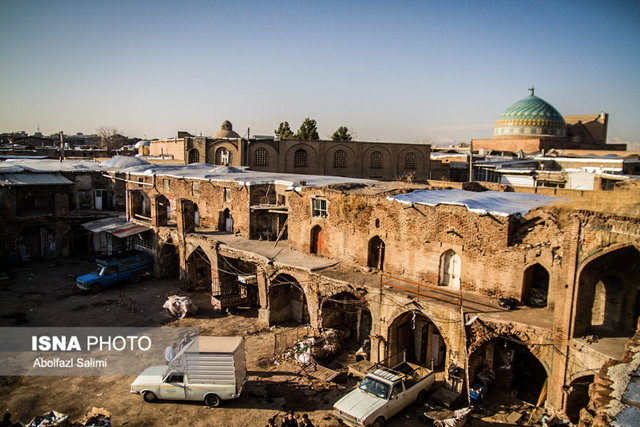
209 369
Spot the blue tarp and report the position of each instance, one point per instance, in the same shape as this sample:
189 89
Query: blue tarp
492 202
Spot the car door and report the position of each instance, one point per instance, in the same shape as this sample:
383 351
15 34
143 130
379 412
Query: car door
397 399
172 387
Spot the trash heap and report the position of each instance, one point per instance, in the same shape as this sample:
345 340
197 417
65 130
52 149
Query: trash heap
52 418
308 350
97 417
179 306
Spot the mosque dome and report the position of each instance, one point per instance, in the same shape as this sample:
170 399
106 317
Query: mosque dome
530 117
226 131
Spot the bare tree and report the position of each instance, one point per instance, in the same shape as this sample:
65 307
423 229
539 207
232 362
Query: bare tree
110 137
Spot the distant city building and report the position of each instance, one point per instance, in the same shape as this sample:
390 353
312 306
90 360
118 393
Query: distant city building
355 159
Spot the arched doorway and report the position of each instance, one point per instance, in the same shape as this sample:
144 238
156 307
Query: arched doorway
222 157
225 222
168 260
535 287
287 301
375 258
199 269
578 397
420 339
518 372
317 240
607 303
348 313
450 269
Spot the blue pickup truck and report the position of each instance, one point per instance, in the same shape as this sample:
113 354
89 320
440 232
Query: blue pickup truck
115 269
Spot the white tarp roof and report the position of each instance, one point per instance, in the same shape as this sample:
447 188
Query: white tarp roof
51 165
493 202
238 174
12 179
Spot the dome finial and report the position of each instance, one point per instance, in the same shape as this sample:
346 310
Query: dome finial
532 89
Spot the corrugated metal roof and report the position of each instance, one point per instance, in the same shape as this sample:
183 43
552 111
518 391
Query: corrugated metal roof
118 226
493 202
11 179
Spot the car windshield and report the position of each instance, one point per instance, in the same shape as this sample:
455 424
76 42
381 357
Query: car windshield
378 388
99 271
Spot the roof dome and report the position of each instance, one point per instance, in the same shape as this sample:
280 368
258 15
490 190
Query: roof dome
530 117
226 131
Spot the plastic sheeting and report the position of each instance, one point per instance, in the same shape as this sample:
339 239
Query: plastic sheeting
491 202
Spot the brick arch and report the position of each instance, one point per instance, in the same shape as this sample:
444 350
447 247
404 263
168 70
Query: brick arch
420 158
603 251
584 373
387 161
227 145
271 151
312 156
400 311
351 156
497 331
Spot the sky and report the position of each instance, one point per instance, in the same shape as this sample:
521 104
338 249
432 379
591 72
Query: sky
401 71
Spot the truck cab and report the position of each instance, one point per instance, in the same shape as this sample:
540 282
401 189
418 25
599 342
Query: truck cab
383 393
209 369
115 269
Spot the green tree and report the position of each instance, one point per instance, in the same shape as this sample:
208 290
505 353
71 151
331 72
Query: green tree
308 130
341 134
284 131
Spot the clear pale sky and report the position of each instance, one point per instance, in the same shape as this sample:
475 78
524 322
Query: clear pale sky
429 71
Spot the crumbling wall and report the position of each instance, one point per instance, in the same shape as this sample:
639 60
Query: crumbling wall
606 393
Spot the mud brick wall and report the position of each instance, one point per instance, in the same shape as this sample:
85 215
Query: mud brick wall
209 198
415 238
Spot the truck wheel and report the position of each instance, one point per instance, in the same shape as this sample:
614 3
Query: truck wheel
379 422
422 398
149 397
212 400
135 278
95 288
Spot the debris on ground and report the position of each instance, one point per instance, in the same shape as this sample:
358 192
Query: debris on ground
52 418
179 306
307 351
97 417
446 417
508 303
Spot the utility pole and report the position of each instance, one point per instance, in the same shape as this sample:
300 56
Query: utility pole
471 161
61 146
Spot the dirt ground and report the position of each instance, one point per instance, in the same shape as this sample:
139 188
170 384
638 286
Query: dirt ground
42 293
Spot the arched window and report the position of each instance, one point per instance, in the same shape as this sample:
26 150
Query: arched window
194 156
262 157
300 159
376 160
450 269
410 161
340 159
223 156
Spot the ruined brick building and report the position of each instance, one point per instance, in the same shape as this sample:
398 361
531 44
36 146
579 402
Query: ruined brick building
413 268
43 204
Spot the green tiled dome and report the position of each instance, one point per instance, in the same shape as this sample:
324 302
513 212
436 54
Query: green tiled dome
531 116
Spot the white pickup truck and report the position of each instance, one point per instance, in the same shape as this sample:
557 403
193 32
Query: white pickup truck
383 393
209 369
